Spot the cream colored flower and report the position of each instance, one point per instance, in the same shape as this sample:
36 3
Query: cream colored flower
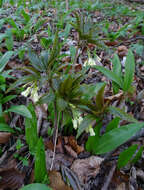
90 130
26 92
34 94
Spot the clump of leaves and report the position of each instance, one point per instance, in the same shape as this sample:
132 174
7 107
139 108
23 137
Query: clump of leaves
87 30
120 80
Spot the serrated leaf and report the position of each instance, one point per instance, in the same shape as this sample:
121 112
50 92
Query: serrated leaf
20 109
120 113
126 156
4 59
36 186
6 128
114 138
129 71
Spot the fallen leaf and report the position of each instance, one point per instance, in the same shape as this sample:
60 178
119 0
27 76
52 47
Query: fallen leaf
56 182
4 137
70 151
122 51
11 178
73 143
108 43
122 186
60 159
85 168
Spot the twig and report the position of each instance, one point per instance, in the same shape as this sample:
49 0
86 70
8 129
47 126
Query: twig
109 177
55 135
67 5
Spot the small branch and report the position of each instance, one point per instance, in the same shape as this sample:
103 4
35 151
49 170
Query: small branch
109 178
55 135
67 5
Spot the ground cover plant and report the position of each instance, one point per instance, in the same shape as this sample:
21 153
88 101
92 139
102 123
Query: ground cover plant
72 99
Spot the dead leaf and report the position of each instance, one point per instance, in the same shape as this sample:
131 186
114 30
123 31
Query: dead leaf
73 143
59 146
4 137
70 151
60 159
85 168
11 178
122 51
122 186
48 144
108 43
56 182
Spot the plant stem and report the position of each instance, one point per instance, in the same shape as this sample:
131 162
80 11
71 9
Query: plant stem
55 135
67 5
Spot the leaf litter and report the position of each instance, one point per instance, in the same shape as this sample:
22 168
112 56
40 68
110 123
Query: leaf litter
68 149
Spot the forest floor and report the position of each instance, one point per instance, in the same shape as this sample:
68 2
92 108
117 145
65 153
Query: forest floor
75 130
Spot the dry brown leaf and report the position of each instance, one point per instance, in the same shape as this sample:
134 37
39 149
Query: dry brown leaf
49 144
85 168
4 137
59 146
56 182
108 43
122 51
60 159
122 186
73 143
70 151
11 178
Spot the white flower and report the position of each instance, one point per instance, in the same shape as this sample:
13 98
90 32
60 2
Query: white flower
90 130
26 92
89 62
34 94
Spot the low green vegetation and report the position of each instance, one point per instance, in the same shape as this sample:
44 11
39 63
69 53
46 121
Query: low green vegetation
35 33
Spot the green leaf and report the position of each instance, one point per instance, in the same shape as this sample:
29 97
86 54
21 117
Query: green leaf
8 98
117 70
120 113
31 129
35 60
20 109
138 155
23 80
91 90
35 186
84 124
114 138
113 124
4 59
129 71
47 98
111 75
117 66
61 104
126 156
26 16
6 128
40 171
99 99
93 140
